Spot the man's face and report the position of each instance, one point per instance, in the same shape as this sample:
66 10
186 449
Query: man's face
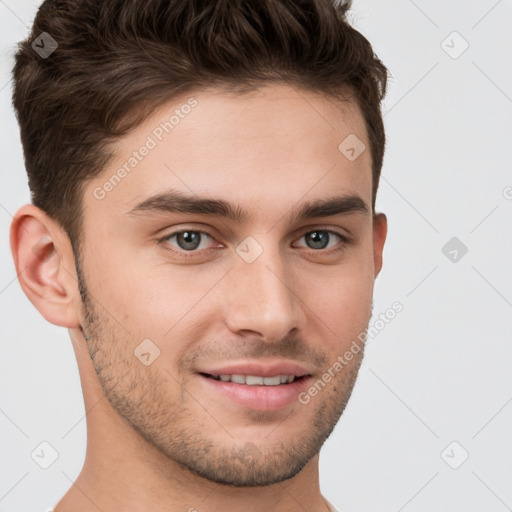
169 318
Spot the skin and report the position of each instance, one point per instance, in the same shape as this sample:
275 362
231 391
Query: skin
159 438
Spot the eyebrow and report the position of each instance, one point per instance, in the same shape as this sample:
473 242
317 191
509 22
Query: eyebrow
175 201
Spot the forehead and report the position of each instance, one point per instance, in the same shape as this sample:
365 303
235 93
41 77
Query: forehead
266 148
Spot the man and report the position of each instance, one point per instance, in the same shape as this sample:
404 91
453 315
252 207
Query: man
203 223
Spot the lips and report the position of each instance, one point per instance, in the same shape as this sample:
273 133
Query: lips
256 385
255 380
258 369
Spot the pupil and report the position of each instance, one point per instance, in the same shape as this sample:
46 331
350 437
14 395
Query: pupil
319 239
188 239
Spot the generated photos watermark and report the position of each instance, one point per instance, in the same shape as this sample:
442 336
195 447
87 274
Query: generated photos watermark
344 359
152 140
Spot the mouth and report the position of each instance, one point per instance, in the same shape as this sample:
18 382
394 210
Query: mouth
256 386
254 380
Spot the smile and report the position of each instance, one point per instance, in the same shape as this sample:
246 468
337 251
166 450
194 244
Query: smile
255 380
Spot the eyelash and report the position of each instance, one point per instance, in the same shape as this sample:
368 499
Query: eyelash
194 253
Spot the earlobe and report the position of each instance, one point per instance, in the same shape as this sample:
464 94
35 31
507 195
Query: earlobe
380 229
44 263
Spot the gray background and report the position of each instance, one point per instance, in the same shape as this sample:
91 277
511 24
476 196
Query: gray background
438 373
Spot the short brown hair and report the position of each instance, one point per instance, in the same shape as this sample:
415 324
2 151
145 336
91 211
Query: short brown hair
118 60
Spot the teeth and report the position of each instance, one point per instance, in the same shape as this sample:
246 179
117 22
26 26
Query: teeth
272 381
255 380
251 380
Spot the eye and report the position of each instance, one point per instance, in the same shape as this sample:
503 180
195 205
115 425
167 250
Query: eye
187 240
321 238
188 243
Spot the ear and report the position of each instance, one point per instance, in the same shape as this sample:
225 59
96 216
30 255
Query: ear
380 230
45 266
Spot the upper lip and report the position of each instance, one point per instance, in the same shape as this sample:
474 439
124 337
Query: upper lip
260 369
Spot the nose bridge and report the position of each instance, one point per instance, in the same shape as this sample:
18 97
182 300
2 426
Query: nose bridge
261 293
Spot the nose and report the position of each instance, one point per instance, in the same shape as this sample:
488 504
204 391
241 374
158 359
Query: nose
260 297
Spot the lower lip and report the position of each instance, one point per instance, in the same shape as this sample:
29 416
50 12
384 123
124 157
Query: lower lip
262 398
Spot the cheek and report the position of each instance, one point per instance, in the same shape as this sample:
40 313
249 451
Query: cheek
170 306
343 308
134 289
341 300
